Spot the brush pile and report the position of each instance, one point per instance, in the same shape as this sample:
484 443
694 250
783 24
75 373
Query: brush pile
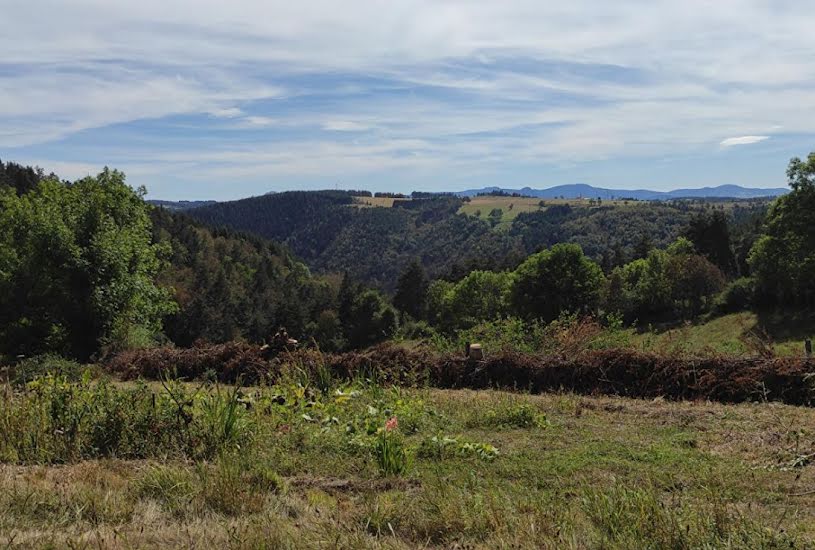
622 372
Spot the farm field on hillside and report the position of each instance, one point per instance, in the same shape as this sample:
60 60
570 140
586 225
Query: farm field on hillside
294 466
385 202
512 206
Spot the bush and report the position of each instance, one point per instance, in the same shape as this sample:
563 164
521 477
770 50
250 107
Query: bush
55 420
34 367
737 296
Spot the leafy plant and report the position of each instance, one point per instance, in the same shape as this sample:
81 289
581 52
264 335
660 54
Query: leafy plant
389 450
442 447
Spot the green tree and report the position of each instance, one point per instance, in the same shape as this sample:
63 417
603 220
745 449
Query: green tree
372 320
668 282
782 260
495 216
643 246
411 291
480 296
561 279
710 235
77 268
694 280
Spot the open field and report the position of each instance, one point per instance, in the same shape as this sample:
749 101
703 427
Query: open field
737 333
385 202
512 206
302 467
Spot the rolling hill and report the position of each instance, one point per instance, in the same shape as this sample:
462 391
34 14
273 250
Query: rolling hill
581 190
332 232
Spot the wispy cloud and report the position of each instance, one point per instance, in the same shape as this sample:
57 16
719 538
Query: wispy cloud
230 112
507 89
344 126
742 140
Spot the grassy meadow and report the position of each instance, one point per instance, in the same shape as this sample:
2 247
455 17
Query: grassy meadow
744 333
96 463
512 206
384 202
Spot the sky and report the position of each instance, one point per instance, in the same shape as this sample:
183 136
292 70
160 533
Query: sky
220 100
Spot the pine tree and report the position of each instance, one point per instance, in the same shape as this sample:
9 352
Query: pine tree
411 291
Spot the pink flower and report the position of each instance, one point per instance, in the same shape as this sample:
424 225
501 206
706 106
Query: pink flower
391 424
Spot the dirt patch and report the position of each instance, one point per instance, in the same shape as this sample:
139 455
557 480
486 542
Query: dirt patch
337 485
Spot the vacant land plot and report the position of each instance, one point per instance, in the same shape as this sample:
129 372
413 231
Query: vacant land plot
310 464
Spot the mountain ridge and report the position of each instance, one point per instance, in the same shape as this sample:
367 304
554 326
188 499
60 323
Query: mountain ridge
583 190
566 191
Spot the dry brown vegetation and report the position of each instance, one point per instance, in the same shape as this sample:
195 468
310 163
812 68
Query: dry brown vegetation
623 372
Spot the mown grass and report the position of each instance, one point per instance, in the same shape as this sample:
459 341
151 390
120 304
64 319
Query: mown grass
300 466
734 334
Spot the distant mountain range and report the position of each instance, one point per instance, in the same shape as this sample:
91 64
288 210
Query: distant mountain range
582 190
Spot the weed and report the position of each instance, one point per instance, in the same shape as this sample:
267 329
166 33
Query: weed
510 415
443 447
389 450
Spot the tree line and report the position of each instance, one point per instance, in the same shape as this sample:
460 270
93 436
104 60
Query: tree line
715 265
88 267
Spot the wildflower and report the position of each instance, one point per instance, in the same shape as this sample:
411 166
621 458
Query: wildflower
391 424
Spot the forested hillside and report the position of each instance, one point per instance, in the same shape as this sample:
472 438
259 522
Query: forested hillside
375 244
230 286
372 244
88 268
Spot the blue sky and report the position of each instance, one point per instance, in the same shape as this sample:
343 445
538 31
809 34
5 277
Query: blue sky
223 100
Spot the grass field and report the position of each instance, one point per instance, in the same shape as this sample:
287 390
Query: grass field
738 333
385 202
482 206
512 206
304 468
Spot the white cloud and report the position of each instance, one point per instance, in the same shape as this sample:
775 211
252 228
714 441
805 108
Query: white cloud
255 120
344 126
230 112
742 140
519 81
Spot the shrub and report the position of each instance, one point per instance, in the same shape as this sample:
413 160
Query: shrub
737 296
509 415
29 369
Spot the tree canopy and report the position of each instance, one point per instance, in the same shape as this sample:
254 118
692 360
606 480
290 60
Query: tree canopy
78 268
561 279
782 260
